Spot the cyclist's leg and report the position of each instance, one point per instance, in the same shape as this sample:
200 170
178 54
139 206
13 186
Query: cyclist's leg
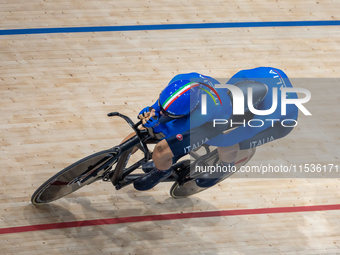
227 157
127 138
174 147
162 157
228 154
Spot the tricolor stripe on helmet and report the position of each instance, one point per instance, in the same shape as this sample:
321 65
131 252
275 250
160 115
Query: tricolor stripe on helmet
215 92
178 93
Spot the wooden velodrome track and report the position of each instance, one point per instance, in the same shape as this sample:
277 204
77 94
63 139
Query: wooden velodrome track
57 88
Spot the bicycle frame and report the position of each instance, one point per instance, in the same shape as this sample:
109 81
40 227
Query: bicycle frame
122 176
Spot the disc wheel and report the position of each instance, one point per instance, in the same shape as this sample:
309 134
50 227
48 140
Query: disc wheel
73 177
187 186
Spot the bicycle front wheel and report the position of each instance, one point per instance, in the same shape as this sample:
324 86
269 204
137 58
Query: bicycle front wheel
74 177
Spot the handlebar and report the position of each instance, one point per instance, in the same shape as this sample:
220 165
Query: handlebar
127 119
142 135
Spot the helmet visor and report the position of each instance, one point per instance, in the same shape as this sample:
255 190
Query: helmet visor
167 114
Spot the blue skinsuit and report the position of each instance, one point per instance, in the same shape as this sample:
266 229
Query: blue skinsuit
272 77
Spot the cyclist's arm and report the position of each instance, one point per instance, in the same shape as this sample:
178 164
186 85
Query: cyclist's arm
161 128
156 107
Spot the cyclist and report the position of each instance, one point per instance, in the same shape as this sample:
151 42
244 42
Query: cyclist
183 122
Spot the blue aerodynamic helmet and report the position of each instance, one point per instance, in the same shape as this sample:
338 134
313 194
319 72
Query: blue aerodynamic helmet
179 98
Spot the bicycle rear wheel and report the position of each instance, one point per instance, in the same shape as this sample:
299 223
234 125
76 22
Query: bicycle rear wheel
189 186
74 177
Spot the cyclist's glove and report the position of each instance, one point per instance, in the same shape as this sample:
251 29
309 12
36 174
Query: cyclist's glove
144 111
153 121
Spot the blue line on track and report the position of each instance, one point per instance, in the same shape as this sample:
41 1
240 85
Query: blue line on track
168 27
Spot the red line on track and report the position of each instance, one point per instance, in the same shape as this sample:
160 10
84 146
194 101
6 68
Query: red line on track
175 216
